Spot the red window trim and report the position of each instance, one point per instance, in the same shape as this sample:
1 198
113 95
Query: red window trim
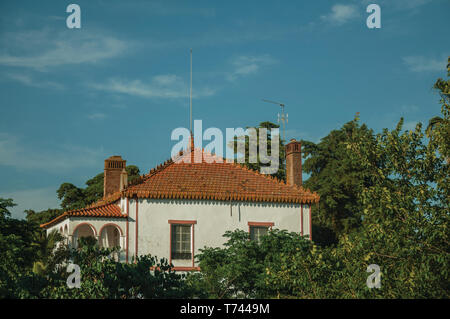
261 224
182 222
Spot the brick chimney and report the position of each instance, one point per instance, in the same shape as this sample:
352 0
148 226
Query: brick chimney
115 177
294 163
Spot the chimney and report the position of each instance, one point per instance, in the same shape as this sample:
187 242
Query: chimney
115 177
294 163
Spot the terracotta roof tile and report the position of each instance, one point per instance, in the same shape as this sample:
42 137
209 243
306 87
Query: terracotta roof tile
108 210
214 181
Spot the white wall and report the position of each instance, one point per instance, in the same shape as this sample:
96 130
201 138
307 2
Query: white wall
96 224
57 226
213 219
306 220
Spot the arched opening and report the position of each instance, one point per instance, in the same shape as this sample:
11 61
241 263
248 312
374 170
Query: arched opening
109 236
82 230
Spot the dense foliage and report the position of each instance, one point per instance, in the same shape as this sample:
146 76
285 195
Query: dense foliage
339 181
104 277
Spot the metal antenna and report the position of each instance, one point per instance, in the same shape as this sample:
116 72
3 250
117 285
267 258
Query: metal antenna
190 100
283 117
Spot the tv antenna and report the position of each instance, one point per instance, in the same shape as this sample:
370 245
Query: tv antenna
190 100
283 117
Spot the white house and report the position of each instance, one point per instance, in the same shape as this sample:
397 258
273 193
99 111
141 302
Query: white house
178 208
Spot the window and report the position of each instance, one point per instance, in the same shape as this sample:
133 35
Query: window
256 232
181 242
259 229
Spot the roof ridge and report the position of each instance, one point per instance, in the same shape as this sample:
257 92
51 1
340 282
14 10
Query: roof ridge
240 165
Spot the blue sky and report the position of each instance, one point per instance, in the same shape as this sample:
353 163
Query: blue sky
70 98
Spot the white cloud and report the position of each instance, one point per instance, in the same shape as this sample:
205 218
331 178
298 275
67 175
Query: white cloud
42 49
425 64
30 81
340 14
161 86
247 65
36 199
167 79
14 153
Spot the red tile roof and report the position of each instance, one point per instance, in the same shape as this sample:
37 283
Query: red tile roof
108 210
215 181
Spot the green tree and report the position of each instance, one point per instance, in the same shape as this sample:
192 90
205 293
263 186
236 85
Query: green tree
405 214
441 124
242 268
338 179
4 205
73 197
42 217
243 142
18 251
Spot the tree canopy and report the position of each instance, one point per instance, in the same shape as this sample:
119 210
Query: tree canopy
338 179
73 197
244 143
